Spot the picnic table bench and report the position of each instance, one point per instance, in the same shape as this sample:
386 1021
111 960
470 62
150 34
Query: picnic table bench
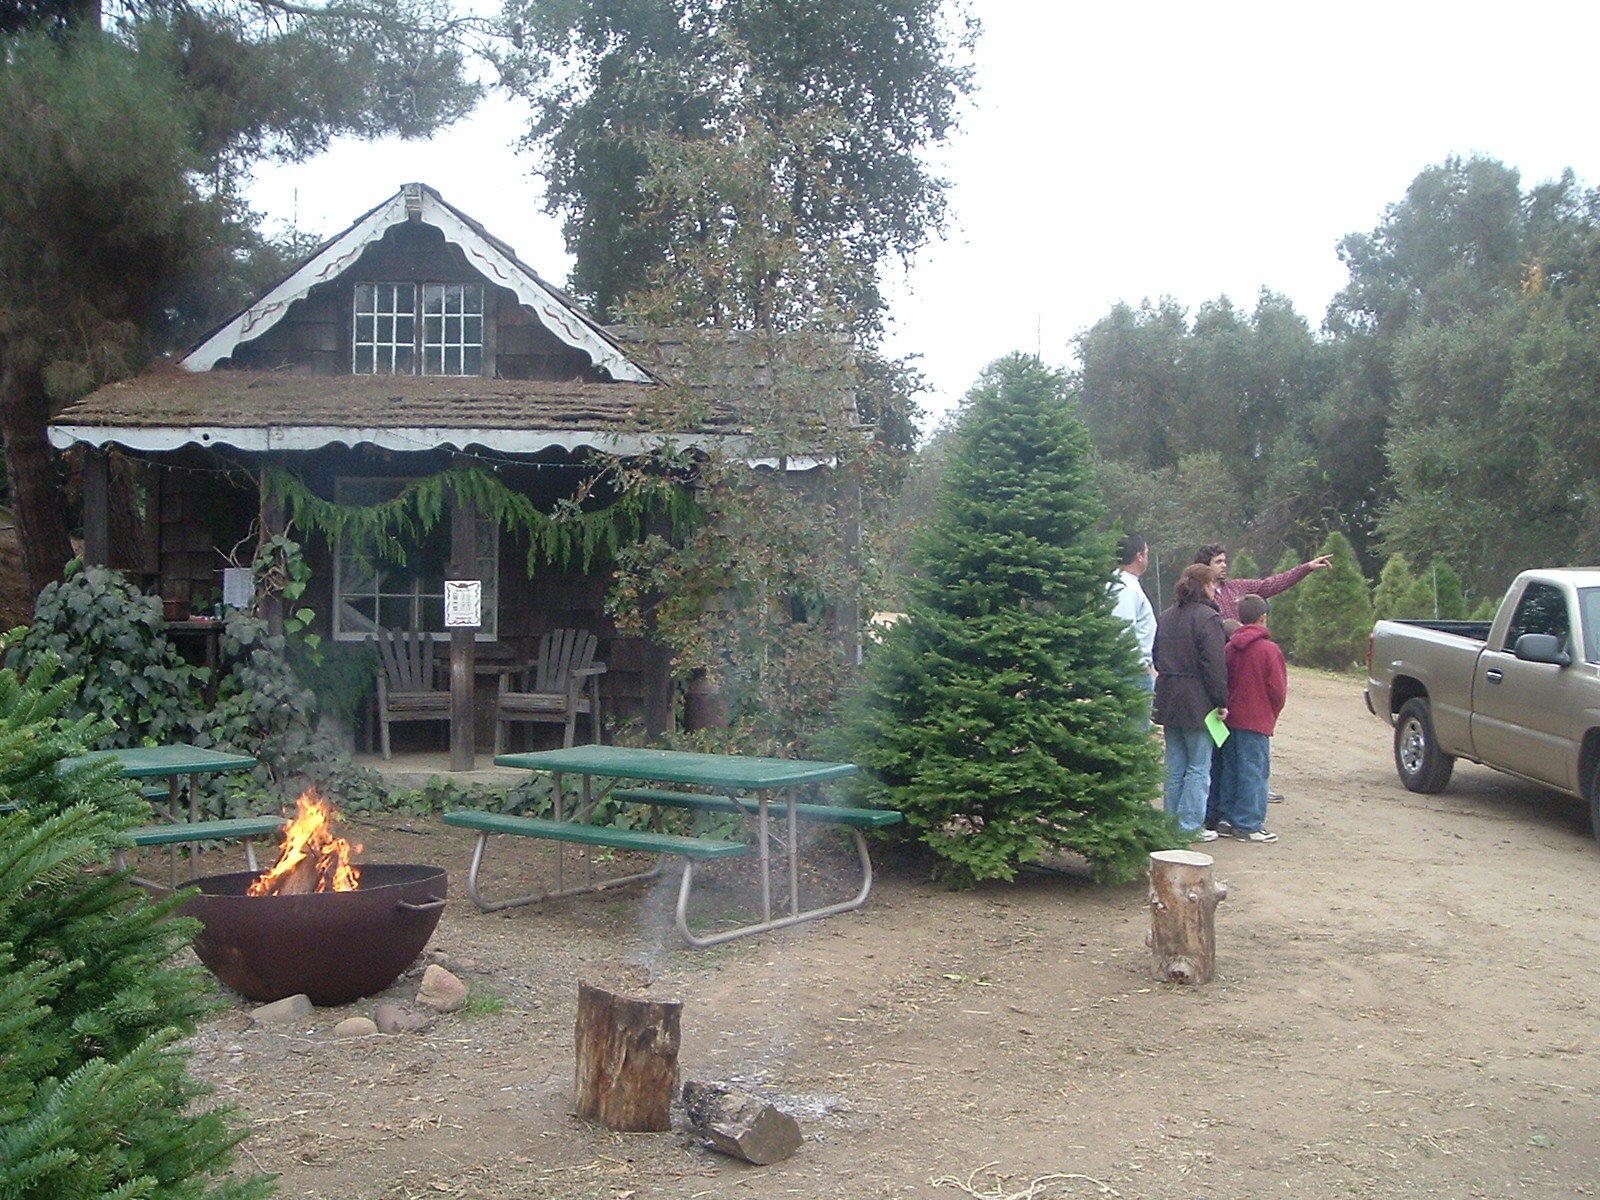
735 784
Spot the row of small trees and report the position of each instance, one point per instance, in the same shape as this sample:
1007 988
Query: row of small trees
1325 620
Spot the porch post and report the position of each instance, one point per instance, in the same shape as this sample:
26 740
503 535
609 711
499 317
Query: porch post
96 507
273 523
463 642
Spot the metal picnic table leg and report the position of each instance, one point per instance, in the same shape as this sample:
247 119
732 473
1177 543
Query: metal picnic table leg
174 785
794 856
560 811
766 857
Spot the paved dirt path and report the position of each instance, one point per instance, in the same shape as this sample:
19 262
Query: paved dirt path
1405 1006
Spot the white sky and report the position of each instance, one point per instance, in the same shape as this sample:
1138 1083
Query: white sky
1125 152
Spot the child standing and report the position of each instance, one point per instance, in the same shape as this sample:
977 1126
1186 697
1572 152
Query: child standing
1258 685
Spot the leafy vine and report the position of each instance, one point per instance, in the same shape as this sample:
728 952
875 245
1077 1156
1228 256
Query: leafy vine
568 536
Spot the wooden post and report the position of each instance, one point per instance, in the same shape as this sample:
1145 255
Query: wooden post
627 1060
96 508
463 642
1183 907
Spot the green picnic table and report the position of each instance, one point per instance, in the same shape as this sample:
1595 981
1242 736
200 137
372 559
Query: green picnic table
756 788
172 763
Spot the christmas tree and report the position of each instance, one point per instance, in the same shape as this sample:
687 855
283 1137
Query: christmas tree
1002 716
95 1100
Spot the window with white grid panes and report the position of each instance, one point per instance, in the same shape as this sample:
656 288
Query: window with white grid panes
371 592
385 339
452 329
388 339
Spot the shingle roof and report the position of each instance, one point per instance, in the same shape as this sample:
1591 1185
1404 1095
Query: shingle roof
168 407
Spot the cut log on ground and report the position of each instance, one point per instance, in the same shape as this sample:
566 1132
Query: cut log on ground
739 1124
1183 907
627 1060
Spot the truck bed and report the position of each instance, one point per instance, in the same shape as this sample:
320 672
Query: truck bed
1477 631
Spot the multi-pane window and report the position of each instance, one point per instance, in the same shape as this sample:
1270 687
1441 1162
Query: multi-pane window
386 329
389 340
371 592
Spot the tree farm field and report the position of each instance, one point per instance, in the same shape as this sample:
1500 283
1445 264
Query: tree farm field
1405 1005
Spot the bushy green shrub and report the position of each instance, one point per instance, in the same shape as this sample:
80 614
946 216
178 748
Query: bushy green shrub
106 632
95 1098
1001 714
139 690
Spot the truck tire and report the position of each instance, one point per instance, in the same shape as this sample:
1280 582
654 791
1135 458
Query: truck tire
1423 767
1594 803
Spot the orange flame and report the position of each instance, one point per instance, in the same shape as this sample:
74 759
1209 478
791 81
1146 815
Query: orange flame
312 858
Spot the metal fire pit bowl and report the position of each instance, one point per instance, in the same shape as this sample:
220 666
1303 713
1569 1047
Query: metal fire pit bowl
333 946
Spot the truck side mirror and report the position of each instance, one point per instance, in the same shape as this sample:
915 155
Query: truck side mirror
1542 648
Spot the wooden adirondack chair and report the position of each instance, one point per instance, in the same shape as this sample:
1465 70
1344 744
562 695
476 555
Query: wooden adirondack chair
562 682
407 681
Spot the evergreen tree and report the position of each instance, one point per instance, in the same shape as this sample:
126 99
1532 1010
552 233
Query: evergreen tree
1284 618
95 1100
1242 566
1401 593
1001 714
1450 602
1334 613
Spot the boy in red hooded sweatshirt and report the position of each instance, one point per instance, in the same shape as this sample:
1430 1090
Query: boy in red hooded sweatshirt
1258 685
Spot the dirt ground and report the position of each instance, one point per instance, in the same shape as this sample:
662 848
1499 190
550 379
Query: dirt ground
1405 1005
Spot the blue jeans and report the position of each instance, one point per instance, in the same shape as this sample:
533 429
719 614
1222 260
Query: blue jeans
1146 683
1188 773
1245 774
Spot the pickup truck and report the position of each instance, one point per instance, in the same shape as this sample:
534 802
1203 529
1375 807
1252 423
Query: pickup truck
1520 693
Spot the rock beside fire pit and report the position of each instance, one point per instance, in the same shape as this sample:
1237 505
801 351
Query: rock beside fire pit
441 991
397 1018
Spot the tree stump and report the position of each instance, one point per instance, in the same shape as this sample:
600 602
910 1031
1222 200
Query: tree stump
627 1060
1183 908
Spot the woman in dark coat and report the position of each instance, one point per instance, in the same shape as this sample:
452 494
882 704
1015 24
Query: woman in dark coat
1191 680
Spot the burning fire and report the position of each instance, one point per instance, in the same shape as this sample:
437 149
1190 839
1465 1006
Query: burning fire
312 858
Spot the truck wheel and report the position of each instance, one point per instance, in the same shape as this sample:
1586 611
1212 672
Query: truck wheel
1594 803
1422 765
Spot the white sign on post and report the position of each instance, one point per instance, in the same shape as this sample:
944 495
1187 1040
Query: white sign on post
463 603
238 587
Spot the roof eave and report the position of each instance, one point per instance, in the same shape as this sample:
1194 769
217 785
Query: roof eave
278 438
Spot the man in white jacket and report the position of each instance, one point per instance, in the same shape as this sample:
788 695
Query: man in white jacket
1133 606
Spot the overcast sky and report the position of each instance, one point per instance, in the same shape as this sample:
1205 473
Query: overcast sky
1125 152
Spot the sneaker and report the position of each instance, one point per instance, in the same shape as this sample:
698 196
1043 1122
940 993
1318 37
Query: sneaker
1255 835
1225 829
1203 835
1274 797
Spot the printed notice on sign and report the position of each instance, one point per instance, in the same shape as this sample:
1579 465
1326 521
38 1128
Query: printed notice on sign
463 603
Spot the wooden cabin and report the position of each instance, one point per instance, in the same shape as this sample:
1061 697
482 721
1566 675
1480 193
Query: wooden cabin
413 341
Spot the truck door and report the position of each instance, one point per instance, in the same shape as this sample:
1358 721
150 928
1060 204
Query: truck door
1522 711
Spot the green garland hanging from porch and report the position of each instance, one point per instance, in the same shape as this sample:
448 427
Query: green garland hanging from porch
568 535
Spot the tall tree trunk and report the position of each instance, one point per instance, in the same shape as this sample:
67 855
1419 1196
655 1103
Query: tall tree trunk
38 500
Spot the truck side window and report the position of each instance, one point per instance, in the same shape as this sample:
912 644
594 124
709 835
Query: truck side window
1589 614
1542 609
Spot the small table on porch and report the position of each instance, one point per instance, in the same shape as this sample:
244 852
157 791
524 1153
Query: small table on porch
739 783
